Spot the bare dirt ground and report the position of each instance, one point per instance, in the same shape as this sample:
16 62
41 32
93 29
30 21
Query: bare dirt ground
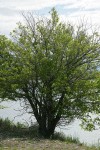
36 144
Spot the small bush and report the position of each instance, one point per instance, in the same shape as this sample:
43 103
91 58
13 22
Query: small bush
9 129
6 124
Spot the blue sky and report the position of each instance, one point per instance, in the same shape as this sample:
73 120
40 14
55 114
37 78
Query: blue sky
71 10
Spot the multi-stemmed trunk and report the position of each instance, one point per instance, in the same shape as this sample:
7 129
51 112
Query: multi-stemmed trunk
45 111
47 122
46 130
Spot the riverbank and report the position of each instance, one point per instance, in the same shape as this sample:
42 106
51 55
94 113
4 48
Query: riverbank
40 144
20 137
12 112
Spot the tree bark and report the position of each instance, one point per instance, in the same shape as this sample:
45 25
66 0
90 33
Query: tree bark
46 132
46 129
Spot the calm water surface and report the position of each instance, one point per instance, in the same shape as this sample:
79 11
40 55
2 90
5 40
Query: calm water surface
14 112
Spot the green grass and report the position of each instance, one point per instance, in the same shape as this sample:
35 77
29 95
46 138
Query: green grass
9 129
6 125
61 136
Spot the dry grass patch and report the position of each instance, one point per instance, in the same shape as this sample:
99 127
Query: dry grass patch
36 144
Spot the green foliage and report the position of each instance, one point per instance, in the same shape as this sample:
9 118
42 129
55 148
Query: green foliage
53 67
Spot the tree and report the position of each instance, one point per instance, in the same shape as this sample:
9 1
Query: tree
53 67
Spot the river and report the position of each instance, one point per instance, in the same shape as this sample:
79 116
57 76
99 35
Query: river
13 112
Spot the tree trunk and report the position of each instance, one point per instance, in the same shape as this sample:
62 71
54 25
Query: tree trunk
45 132
46 129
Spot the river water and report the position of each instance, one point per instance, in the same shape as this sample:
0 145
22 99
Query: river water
13 112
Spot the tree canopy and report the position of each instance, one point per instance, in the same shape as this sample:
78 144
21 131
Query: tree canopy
53 67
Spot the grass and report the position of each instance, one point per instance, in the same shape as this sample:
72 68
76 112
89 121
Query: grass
8 129
6 125
20 137
61 136
40 144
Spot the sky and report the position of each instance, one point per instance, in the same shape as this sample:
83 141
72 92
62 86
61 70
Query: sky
70 10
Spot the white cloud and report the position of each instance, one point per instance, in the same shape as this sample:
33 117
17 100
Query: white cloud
7 24
84 4
72 10
31 4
